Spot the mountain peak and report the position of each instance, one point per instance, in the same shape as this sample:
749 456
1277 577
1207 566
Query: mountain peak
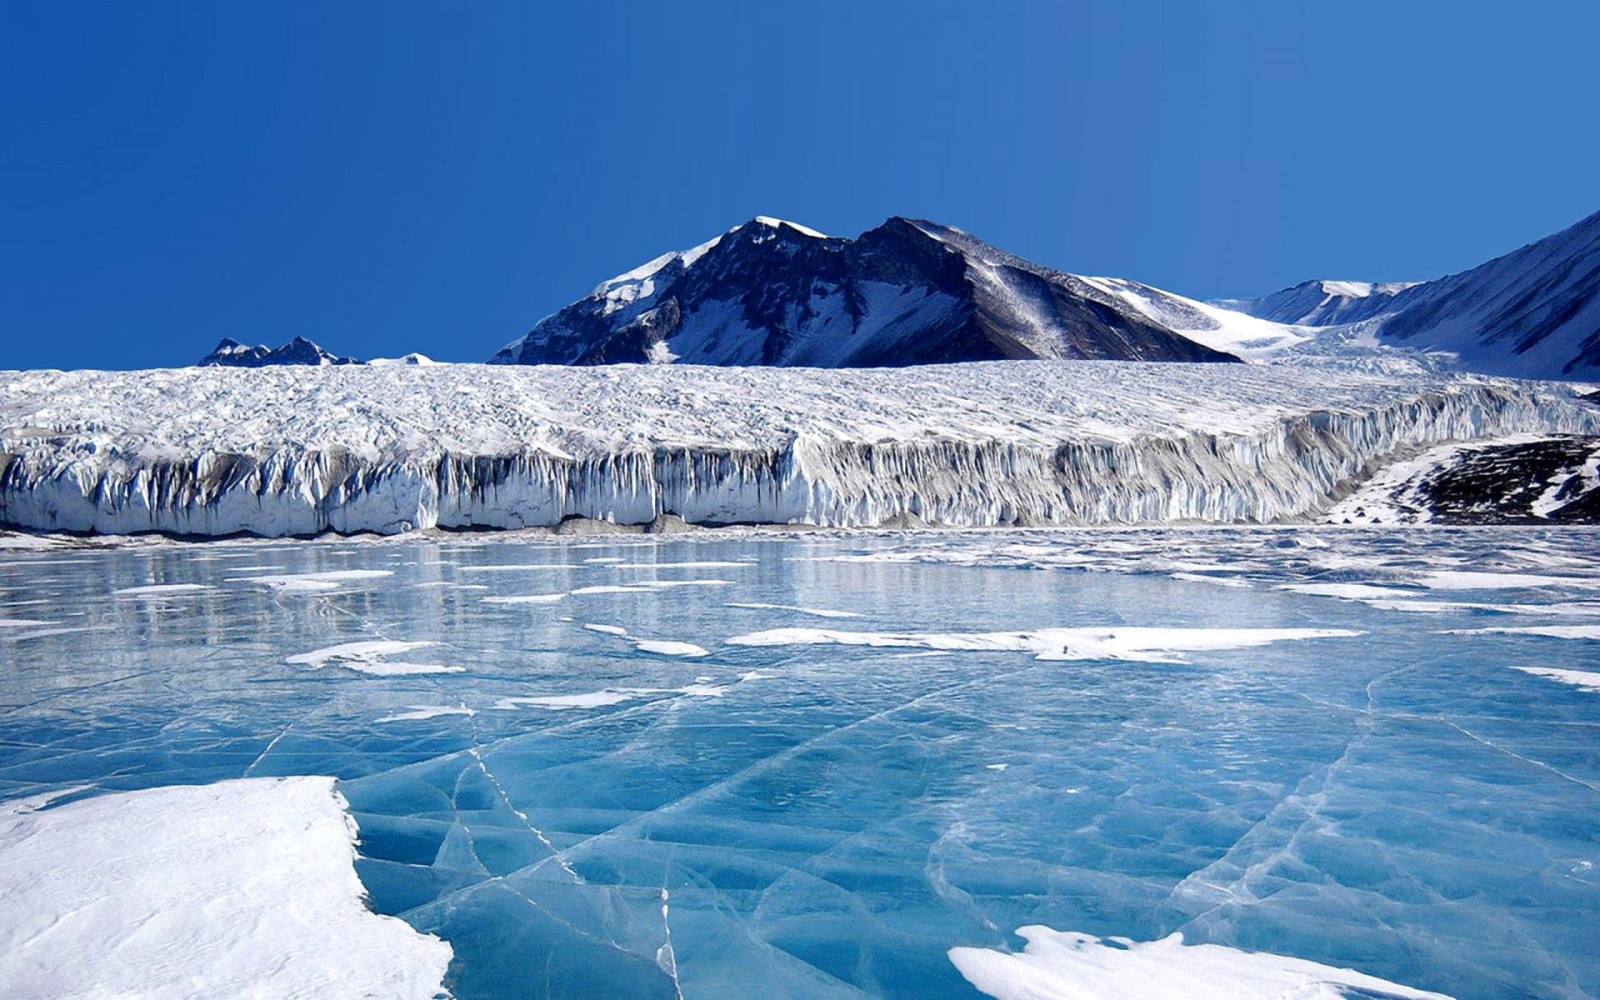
299 351
772 292
770 222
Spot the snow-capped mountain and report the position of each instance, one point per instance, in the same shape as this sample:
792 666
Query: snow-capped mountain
1534 312
298 351
771 292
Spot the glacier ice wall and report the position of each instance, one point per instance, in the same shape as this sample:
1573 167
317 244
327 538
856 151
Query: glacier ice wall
298 452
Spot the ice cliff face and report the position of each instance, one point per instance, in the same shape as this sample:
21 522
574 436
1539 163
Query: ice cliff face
908 292
1533 313
295 451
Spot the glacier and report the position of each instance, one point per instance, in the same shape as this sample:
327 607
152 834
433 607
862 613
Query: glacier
351 449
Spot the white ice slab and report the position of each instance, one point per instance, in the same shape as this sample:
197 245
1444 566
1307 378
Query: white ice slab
161 590
241 888
669 647
1349 591
527 599
1587 679
1549 631
814 612
369 657
1456 579
659 647
1149 645
1064 965
560 702
314 583
417 713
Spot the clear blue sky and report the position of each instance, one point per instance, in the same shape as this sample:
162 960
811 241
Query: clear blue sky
436 177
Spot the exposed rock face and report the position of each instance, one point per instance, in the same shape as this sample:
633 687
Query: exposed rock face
908 292
1553 480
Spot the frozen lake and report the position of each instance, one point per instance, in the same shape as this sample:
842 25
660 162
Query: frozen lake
810 766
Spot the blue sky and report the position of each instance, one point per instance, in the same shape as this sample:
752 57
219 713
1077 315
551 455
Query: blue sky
393 177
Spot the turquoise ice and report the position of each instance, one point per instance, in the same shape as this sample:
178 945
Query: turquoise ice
561 764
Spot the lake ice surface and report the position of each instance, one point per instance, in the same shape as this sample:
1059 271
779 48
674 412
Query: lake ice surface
594 793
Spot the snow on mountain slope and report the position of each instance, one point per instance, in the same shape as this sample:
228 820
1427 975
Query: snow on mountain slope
289 450
1322 303
771 292
298 351
1533 313
1216 327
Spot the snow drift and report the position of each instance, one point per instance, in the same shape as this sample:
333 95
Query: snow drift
298 451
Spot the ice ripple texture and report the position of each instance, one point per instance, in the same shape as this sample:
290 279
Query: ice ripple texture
1382 787
300 451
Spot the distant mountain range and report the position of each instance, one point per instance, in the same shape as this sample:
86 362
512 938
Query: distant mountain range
771 292
299 351
909 292
1534 312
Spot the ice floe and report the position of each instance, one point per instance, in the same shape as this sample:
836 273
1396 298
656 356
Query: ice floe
814 612
1220 581
240 888
659 647
683 564
1549 631
417 713
669 647
1349 591
1145 644
1065 965
314 583
605 698
527 598
644 586
1456 579
161 590
1587 679
369 657
589 699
